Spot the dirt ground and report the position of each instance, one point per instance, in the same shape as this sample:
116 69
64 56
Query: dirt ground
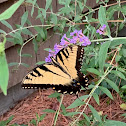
26 110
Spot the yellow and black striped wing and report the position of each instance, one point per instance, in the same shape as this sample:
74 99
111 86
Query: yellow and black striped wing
47 74
70 59
62 74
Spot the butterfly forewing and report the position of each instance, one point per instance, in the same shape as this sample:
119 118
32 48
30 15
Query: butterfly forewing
47 74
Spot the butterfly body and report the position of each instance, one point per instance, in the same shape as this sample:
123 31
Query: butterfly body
62 74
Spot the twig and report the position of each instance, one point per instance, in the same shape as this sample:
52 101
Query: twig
57 113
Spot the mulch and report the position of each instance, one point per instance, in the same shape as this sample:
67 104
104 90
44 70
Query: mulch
25 110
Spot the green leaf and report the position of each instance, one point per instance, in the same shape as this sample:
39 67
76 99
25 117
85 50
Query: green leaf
41 31
24 18
95 71
81 5
123 87
95 96
54 19
18 38
47 49
86 117
117 58
75 104
33 121
48 3
65 10
114 123
1 31
119 74
121 69
49 110
26 55
106 91
77 18
123 106
40 62
41 15
124 52
43 12
54 95
10 11
63 109
117 42
95 113
13 64
102 55
113 85
9 119
26 31
7 24
72 113
35 45
33 3
124 115
42 117
24 64
4 73
37 116
102 18
78 102
97 1
5 123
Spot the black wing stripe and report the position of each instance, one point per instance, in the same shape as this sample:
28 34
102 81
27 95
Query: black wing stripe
37 72
57 65
46 69
64 54
60 57
33 74
67 52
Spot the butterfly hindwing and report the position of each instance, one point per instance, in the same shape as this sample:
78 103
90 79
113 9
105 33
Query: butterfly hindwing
70 59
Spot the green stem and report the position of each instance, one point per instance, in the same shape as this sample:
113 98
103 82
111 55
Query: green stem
108 39
91 93
56 116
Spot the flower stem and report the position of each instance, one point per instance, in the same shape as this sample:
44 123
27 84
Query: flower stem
108 39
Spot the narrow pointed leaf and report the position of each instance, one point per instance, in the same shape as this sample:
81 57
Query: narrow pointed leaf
119 74
78 102
106 91
123 87
103 54
95 71
49 110
102 18
24 18
72 113
95 113
95 96
7 24
86 117
4 73
114 123
48 3
10 11
113 85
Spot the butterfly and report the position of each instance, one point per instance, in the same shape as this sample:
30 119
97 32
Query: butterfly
61 74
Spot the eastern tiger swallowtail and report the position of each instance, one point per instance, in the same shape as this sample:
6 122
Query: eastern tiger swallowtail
62 74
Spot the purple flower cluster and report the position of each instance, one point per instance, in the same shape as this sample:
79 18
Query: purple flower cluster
77 38
102 30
